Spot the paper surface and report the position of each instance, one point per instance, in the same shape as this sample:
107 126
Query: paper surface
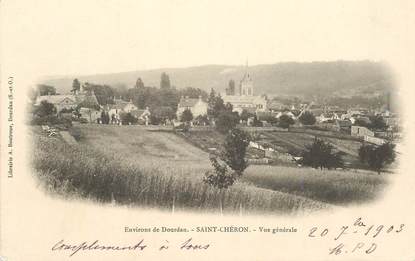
51 40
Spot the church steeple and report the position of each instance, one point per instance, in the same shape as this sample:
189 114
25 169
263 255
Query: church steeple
246 86
246 68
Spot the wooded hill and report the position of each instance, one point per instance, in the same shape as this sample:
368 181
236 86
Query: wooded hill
345 78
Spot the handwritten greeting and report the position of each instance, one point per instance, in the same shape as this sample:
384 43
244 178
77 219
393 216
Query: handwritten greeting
141 245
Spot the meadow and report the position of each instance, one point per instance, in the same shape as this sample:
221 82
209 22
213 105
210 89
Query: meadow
131 166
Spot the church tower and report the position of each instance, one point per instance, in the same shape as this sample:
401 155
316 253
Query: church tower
246 86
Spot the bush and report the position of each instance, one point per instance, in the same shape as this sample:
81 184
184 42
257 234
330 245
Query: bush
202 120
187 116
377 122
83 120
128 118
285 121
320 154
45 109
307 118
377 157
52 120
226 121
221 177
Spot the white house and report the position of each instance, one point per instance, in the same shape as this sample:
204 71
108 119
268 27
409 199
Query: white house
196 105
119 106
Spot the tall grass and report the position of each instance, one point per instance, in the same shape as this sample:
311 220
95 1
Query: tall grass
84 171
330 186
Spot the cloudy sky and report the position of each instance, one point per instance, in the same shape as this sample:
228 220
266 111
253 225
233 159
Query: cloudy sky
55 37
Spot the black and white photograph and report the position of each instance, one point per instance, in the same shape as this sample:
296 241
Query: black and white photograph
288 137
206 130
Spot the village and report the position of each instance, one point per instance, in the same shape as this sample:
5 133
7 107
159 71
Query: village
280 129
185 147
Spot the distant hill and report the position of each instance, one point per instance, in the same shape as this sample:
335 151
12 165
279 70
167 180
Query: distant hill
344 78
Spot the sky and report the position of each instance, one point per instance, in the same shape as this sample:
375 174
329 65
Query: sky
56 37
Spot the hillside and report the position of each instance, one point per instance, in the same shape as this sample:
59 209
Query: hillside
290 78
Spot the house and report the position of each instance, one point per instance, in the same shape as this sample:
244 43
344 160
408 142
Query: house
65 101
124 106
80 98
360 131
119 106
354 118
197 106
275 105
330 116
143 116
90 114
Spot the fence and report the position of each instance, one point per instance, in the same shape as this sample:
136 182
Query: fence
332 134
255 129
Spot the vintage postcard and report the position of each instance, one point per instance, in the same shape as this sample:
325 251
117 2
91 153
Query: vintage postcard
207 130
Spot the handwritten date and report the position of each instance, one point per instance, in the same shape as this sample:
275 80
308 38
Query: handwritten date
357 228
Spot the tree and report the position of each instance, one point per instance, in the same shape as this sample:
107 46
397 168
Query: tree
377 122
193 93
211 101
228 107
139 83
231 88
285 121
216 104
165 81
221 177
45 109
320 154
377 157
226 121
232 158
202 120
236 143
268 118
245 115
187 116
307 118
44 89
361 122
76 85
169 97
105 117
163 113
104 93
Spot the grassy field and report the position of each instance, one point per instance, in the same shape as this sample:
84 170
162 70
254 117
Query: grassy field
335 187
130 165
